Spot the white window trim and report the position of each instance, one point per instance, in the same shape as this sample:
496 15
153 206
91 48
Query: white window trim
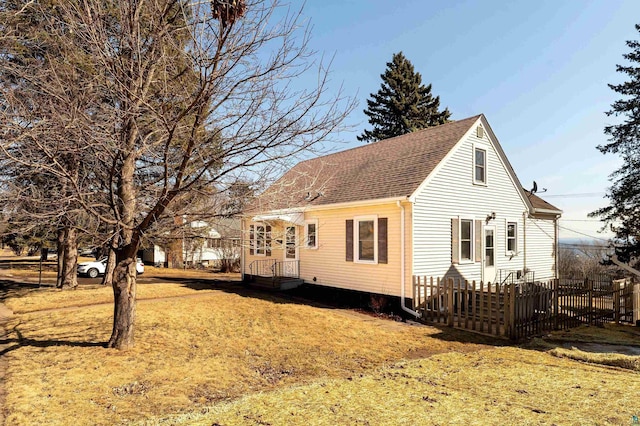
255 240
472 234
486 165
356 238
508 252
306 233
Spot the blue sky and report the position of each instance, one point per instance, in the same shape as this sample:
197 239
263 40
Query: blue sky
538 70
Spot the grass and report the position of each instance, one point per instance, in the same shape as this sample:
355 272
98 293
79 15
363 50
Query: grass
230 356
628 362
611 334
190 352
496 386
48 298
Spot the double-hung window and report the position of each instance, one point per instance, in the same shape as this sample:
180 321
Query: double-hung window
480 166
466 240
311 234
512 237
366 240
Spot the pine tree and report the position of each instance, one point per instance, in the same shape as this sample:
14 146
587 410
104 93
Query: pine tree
623 212
403 104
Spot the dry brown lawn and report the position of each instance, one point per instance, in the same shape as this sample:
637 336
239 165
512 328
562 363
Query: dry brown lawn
231 356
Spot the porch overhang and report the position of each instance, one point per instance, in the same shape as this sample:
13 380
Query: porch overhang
297 218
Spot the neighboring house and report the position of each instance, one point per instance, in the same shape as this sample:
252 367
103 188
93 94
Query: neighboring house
203 244
439 202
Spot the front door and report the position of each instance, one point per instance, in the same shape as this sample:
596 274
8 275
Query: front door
290 246
489 254
290 266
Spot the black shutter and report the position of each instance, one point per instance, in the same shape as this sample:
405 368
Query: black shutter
349 240
267 248
252 240
382 240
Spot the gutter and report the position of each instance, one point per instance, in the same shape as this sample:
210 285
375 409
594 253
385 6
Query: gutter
402 262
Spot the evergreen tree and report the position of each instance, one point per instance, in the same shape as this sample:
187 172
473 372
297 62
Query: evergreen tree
403 104
623 212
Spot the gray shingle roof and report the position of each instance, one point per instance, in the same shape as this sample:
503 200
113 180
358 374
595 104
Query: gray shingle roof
390 168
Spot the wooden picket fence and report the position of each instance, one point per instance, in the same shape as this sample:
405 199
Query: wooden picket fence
524 309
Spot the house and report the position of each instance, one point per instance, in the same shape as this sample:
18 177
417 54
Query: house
439 202
202 244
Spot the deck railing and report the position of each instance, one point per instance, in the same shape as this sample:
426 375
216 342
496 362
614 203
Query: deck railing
262 268
275 268
287 268
525 309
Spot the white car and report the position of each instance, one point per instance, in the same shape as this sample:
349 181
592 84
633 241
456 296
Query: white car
98 267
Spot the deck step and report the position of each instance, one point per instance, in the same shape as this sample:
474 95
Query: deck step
276 283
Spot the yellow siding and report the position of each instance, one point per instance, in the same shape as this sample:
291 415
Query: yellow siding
327 266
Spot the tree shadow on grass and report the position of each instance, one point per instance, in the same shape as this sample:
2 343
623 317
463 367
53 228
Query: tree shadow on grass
11 344
334 298
308 295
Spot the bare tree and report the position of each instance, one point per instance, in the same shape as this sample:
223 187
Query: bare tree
585 259
156 100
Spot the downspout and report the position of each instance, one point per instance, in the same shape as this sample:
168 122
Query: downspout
402 263
524 242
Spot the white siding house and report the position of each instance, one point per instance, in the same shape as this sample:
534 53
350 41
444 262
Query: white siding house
439 202
202 244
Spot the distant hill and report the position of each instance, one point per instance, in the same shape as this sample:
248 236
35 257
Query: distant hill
580 241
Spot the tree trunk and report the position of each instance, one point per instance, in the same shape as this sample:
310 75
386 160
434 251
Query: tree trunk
124 309
175 250
70 262
60 244
111 262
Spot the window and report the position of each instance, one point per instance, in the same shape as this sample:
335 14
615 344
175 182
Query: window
214 243
219 243
366 240
512 239
480 166
260 240
466 227
311 234
366 236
